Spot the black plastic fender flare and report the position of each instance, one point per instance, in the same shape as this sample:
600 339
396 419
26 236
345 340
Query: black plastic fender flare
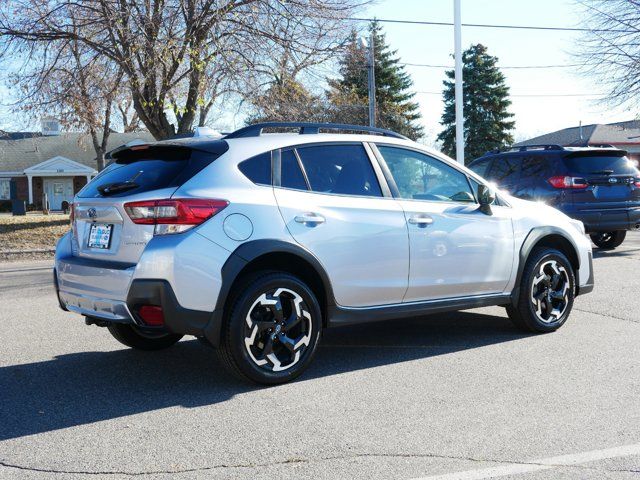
533 237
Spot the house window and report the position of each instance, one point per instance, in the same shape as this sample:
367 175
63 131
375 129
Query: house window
5 191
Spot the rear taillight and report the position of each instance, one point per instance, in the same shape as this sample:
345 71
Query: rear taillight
568 182
637 182
173 216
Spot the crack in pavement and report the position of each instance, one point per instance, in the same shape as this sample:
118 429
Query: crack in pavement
606 315
291 461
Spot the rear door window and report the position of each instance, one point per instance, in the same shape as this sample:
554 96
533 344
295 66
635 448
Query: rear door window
139 170
600 165
291 175
505 170
339 169
535 166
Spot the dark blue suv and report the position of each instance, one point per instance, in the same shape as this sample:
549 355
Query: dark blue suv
599 186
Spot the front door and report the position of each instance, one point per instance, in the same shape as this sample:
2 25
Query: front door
456 250
58 190
332 204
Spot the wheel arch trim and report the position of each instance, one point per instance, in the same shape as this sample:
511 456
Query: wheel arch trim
251 252
535 236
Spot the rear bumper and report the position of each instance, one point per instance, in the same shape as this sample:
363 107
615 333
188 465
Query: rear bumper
608 219
181 274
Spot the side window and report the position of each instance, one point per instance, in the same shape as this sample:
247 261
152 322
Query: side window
421 177
505 170
340 169
290 173
481 166
258 169
476 190
534 167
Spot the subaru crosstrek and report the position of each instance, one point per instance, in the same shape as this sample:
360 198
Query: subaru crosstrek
256 242
598 186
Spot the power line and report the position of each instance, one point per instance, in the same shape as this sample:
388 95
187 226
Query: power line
513 67
487 25
536 94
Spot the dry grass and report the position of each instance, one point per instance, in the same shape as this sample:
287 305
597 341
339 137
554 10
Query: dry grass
31 232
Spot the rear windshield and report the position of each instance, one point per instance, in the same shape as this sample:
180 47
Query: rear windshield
146 169
600 165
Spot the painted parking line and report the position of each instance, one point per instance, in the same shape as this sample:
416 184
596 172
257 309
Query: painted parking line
540 464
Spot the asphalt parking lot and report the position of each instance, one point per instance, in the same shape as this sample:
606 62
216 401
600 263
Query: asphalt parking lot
455 396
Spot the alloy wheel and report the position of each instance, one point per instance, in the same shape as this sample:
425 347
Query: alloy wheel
550 291
278 330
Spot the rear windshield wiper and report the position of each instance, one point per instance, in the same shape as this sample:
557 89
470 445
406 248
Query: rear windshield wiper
111 188
602 172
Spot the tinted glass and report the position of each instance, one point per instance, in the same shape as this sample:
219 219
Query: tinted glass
341 169
420 177
291 175
505 170
600 165
146 169
481 166
258 169
534 166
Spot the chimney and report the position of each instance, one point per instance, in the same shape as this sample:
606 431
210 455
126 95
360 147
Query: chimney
50 126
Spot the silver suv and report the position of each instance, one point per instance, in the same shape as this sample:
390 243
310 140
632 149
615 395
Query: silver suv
257 241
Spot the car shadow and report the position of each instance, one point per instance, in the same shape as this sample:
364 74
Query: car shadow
627 252
87 387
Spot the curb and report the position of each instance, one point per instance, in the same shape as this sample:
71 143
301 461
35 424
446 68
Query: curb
23 252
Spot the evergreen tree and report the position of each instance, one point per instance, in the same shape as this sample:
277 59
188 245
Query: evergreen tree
348 97
487 123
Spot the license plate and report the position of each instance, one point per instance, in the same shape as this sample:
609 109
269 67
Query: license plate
100 236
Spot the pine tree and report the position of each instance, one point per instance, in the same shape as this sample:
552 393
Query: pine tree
348 96
487 123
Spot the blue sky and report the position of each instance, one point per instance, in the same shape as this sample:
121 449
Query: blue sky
533 115
434 45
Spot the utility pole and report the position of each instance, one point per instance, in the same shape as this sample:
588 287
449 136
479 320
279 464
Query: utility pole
372 80
459 99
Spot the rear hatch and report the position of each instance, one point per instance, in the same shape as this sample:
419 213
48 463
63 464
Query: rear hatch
603 179
102 228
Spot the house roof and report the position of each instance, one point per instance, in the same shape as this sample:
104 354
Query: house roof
18 153
620 133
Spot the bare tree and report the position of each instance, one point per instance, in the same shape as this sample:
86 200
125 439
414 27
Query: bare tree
166 48
610 49
65 79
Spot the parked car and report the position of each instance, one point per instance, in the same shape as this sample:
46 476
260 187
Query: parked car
256 242
598 186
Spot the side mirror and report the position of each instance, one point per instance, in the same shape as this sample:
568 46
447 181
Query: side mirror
486 197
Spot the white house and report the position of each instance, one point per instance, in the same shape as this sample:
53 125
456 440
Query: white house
52 162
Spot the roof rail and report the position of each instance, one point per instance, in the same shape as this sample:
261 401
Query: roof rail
309 128
524 148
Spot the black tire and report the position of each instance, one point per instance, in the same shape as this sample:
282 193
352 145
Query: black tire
608 240
255 343
134 337
547 291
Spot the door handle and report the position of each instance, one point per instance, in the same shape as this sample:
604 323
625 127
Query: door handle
421 221
309 219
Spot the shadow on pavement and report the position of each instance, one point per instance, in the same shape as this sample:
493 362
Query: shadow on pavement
87 387
627 252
